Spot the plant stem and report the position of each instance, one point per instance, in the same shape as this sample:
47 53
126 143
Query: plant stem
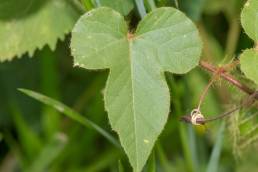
209 67
205 91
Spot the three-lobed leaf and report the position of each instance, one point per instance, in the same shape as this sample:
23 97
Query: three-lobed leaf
136 95
26 25
249 58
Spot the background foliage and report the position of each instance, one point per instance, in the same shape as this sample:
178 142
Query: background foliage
37 137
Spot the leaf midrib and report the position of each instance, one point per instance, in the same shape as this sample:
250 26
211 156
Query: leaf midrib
132 87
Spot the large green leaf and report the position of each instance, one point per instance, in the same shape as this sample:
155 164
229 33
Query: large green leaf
249 64
26 25
136 96
249 19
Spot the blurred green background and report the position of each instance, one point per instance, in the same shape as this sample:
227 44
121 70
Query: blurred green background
35 137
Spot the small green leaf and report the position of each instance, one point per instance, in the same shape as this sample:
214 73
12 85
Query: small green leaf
26 25
122 6
136 96
249 19
249 64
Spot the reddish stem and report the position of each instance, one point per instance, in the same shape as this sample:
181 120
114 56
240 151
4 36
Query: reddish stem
209 67
205 91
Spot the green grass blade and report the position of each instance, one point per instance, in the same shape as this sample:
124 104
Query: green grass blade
1 137
176 4
213 164
141 8
151 165
150 5
30 142
88 5
70 113
120 166
104 161
188 153
164 162
49 84
48 153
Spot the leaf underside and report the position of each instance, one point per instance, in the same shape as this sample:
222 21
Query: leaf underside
26 25
136 95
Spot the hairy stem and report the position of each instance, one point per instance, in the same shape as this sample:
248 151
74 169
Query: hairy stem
205 91
209 67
